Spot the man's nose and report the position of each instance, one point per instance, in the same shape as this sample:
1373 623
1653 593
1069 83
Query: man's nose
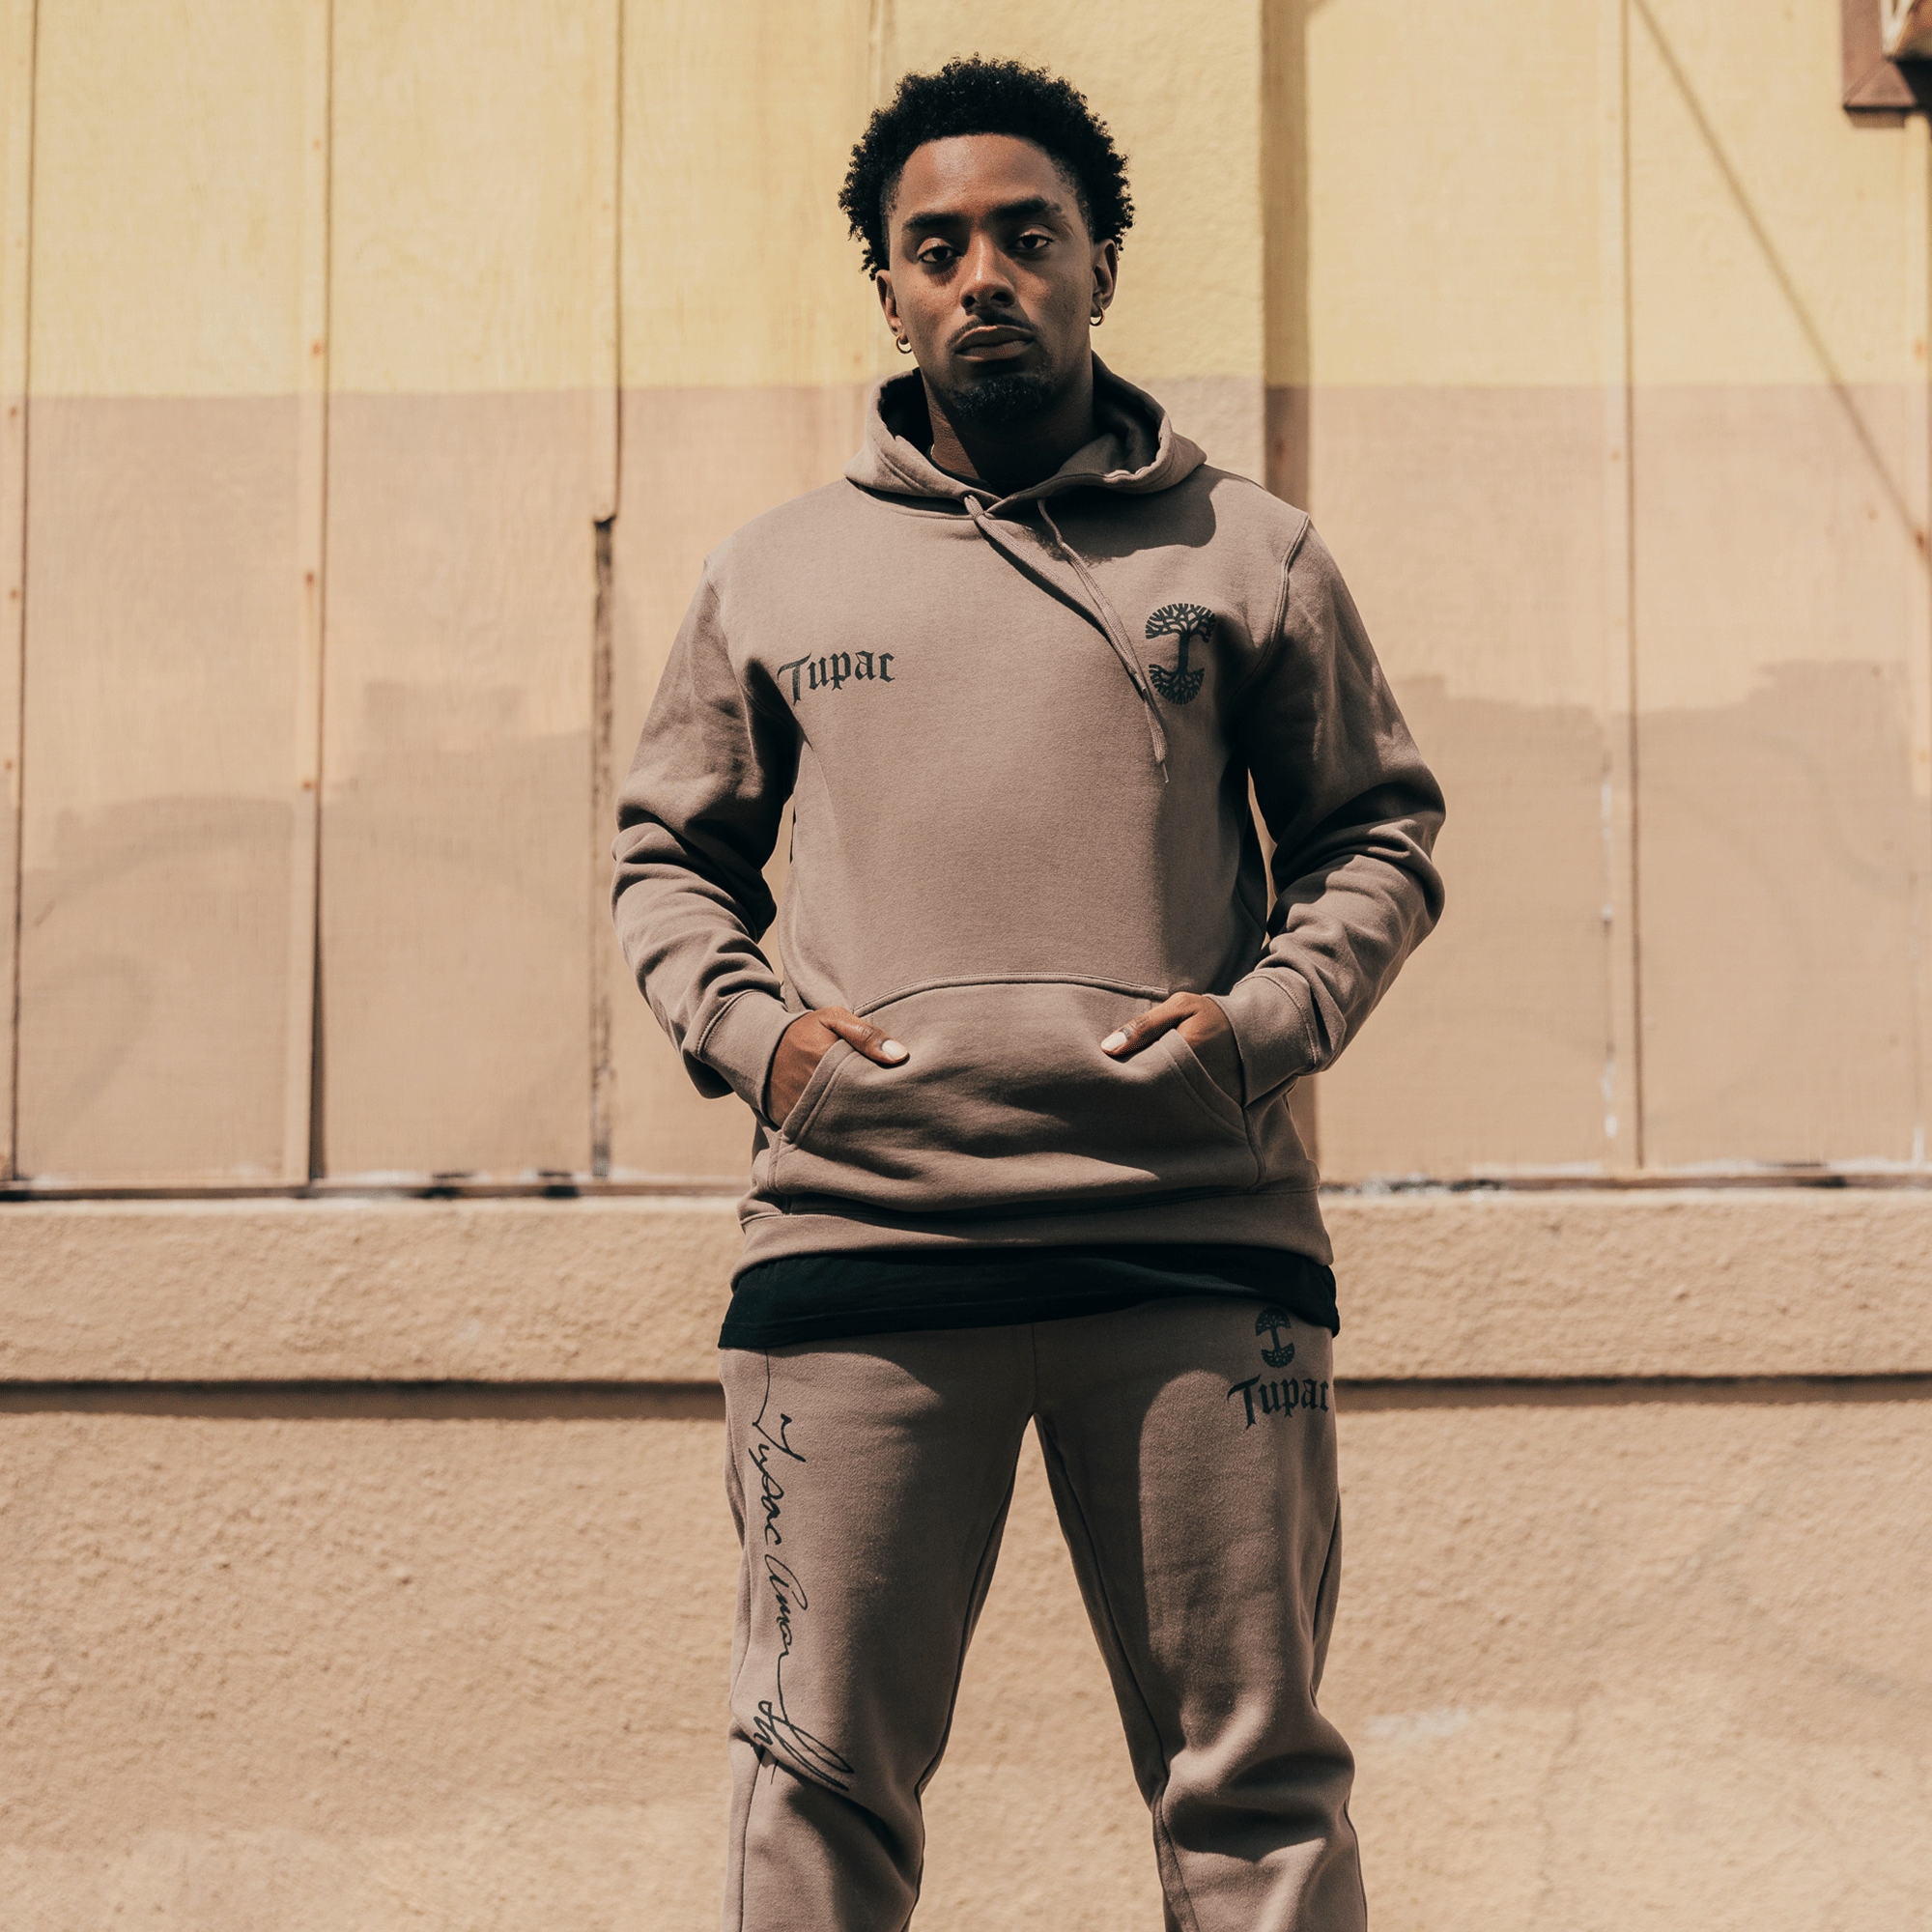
986 281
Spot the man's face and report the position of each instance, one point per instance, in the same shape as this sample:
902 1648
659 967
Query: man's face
992 277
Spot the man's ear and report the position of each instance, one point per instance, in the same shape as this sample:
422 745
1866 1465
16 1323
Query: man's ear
883 282
1106 271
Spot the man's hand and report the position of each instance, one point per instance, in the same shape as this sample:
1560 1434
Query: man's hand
1202 1025
807 1040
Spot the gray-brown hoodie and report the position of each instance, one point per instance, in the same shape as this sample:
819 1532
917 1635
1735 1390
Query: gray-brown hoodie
1018 733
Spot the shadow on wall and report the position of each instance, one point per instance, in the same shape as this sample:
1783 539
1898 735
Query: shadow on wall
139 1058
455 950
1776 841
454 960
1779 842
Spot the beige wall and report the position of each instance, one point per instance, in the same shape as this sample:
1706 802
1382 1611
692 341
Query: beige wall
373 380
377 1574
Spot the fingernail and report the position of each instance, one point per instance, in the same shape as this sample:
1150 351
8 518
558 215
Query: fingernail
1114 1042
892 1050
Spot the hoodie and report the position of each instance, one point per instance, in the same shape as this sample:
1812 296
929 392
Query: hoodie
1019 734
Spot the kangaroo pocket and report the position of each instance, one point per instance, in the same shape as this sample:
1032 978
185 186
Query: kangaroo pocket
1006 1102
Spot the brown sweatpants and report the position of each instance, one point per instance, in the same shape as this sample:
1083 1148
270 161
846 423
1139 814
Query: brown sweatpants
1192 1459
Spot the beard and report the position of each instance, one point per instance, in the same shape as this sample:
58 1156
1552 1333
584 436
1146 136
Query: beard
1003 399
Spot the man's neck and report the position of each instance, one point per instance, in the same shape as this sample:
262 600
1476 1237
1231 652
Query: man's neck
1013 459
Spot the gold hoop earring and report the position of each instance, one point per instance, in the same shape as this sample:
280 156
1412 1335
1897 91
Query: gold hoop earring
1098 316
904 346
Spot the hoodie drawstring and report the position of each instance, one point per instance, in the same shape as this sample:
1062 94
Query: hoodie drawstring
1105 618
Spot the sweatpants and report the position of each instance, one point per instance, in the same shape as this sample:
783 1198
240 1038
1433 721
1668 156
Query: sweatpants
1190 1445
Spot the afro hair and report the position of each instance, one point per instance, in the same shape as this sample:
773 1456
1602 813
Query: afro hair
986 97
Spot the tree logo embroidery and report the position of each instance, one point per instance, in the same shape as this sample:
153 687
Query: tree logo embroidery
1191 624
1271 1321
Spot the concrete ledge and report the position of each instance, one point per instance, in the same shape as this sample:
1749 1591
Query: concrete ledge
1767 1281
1762 1282
627 1290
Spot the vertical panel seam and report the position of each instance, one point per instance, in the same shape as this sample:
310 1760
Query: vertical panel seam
303 1123
1622 1084
16 350
607 461
606 160
1916 161
603 704
1627 373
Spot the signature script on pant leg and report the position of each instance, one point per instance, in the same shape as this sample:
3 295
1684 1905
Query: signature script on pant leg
775 1728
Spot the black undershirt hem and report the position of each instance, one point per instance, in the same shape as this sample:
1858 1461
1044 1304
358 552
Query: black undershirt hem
826 1297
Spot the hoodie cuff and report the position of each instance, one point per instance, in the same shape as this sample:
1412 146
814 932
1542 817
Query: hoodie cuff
741 1040
1271 1015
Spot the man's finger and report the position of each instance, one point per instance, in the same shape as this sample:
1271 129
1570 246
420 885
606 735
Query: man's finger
870 1041
1149 1025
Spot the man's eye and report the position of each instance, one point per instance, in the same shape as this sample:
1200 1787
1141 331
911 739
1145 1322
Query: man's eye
937 255
1032 244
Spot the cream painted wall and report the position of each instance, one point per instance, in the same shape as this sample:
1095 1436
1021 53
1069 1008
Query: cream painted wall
1619 426
1597 348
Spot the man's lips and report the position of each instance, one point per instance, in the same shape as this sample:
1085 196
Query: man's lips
989 335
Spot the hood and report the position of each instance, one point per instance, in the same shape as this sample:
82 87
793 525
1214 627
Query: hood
1137 451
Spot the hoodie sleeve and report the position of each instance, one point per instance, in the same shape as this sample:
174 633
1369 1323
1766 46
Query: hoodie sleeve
1353 812
697 820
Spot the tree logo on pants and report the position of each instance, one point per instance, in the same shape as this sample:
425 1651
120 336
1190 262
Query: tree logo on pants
1306 1394
1271 1321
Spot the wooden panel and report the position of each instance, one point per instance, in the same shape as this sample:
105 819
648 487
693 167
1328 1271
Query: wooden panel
738 125
456 999
455 993
465 187
1454 183
1780 597
1470 525
1779 830
743 371
1461 450
163 629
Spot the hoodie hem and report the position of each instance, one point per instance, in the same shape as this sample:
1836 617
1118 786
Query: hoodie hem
1281 1217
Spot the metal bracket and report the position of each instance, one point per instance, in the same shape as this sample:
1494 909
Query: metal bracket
1888 56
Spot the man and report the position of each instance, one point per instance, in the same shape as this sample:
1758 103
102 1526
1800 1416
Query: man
1024 1148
